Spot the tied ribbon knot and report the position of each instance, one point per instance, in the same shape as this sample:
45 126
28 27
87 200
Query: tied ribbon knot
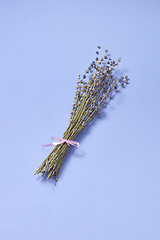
60 141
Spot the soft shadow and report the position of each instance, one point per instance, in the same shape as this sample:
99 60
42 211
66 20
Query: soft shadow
44 179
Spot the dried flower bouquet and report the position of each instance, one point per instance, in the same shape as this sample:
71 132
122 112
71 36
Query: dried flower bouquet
92 93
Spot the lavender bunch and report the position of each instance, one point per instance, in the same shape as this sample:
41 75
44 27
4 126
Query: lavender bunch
92 93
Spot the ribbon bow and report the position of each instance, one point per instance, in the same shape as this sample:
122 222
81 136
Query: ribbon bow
60 141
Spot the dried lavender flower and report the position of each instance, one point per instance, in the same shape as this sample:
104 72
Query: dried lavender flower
91 95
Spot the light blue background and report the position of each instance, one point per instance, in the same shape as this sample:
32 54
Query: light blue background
109 188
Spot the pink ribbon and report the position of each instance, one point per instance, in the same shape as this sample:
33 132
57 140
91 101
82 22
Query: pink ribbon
60 141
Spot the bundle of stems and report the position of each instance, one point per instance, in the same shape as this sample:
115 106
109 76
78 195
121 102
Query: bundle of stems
92 93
